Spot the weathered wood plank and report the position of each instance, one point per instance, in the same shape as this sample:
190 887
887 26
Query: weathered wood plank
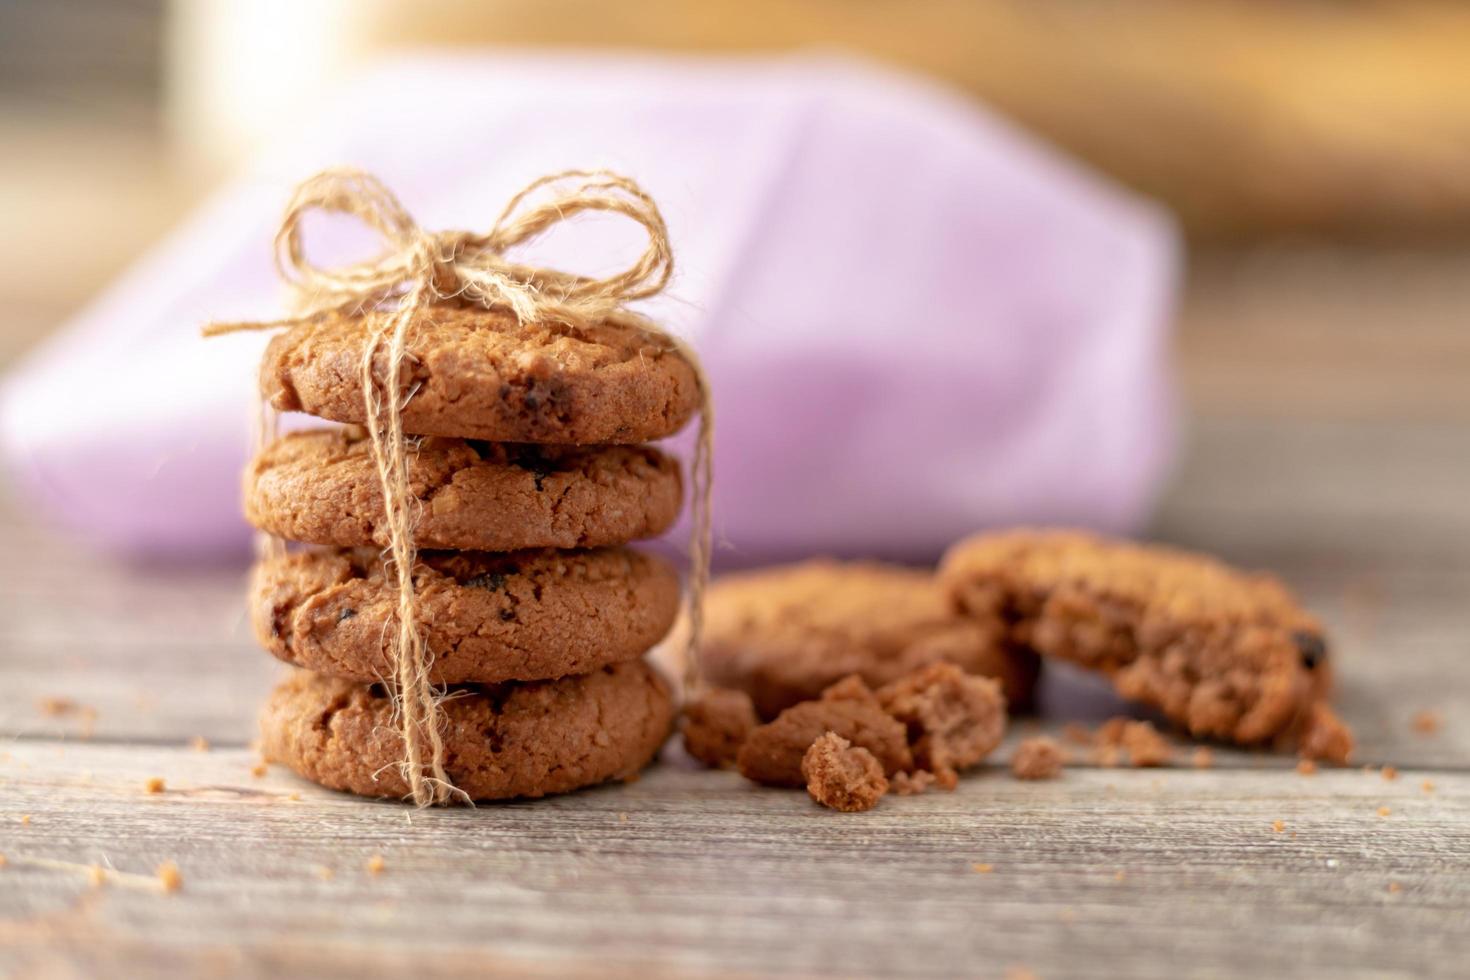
695 871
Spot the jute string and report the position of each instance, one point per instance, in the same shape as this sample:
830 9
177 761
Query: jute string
418 268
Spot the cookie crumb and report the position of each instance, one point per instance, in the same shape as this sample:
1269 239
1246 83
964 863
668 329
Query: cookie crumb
1120 876
1394 888
1307 767
1037 758
54 707
1278 825
1018 972
199 743
1427 786
843 776
1384 811
954 719
323 872
1324 736
96 876
982 869
154 784
1390 773
1139 740
169 877
3 860
773 752
25 819
376 864
716 724
259 770
1203 758
622 818
1426 722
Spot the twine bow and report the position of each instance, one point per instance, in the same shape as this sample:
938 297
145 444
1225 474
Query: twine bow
421 267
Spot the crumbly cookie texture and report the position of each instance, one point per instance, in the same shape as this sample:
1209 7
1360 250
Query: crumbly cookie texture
500 742
785 634
481 374
716 724
1223 653
773 752
322 487
953 719
937 720
486 617
843 776
1136 742
1038 758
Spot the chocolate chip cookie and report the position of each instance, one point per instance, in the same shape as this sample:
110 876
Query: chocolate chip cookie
785 634
1224 653
481 374
322 487
486 617
501 741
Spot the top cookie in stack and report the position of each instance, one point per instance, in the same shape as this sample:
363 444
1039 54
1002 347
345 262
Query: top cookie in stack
528 475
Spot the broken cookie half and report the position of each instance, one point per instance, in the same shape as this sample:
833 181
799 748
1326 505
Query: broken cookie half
1224 654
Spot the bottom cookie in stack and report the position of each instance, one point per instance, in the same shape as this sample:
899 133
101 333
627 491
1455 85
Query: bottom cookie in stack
501 741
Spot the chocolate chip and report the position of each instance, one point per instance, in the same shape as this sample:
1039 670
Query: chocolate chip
494 581
539 467
1313 648
345 615
507 615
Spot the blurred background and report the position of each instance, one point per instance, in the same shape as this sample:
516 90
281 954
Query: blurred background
1316 156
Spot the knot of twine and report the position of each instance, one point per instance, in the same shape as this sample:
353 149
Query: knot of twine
420 267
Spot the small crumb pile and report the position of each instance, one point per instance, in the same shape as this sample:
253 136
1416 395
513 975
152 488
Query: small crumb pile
919 731
1136 742
1426 722
843 776
1038 758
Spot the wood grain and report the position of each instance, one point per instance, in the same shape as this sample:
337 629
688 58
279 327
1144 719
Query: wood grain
693 872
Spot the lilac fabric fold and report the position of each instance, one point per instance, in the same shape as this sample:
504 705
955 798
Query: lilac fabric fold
918 321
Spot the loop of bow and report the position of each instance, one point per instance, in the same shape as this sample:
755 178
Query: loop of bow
468 265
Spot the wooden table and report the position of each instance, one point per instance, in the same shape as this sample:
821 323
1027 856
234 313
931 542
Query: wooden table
1341 460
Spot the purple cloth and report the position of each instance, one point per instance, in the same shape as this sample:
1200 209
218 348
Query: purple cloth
918 321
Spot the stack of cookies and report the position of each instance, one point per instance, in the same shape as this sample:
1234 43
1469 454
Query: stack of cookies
529 473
